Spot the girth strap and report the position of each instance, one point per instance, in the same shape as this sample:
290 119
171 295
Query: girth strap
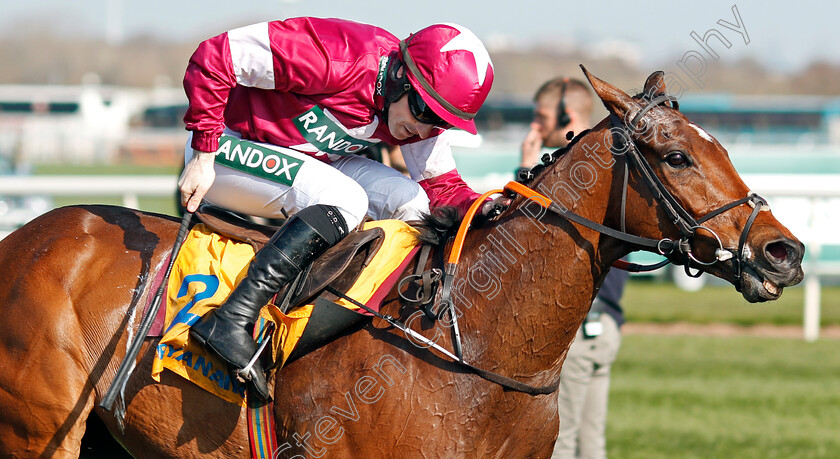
509 383
422 284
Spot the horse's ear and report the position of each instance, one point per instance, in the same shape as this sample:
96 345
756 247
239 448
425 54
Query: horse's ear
617 101
655 85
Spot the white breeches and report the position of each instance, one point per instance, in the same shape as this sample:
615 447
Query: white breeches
355 185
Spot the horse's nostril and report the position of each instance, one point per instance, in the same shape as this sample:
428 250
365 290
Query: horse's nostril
777 250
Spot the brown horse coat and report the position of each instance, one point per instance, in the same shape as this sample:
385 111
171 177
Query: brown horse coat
73 279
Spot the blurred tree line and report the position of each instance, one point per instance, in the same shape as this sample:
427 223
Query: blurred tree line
33 55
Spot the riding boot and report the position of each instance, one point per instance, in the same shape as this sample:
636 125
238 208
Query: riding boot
227 330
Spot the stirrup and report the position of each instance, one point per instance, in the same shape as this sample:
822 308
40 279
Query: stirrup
244 374
248 374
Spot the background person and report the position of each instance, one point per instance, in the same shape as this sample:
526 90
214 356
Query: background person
277 111
564 105
561 105
585 378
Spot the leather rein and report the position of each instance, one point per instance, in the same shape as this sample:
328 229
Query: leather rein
676 251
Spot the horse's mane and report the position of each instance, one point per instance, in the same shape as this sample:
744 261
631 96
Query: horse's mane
439 225
442 223
539 168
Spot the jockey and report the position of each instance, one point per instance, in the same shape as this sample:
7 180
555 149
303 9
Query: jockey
277 111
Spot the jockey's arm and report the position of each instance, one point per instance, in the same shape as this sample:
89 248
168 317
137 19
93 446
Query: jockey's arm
265 56
430 163
242 57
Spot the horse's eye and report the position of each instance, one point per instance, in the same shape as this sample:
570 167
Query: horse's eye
676 159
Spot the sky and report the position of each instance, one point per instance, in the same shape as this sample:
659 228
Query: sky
784 36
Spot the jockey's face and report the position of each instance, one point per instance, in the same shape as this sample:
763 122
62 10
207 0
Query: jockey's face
403 124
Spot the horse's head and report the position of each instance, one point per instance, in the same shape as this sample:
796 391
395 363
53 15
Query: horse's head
683 188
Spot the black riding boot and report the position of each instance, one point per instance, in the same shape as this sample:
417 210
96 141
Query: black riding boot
227 330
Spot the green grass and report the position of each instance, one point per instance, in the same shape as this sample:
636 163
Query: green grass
740 397
653 301
151 204
102 169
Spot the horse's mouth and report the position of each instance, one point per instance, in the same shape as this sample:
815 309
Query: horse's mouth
759 285
773 291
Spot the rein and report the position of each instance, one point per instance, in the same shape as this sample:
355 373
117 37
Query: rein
677 214
676 251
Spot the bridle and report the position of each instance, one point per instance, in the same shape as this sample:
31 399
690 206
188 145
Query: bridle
679 251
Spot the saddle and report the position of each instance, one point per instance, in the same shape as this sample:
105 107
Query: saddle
339 267
312 310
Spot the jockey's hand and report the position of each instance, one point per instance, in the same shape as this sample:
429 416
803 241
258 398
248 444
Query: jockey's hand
495 207
531 147
196 180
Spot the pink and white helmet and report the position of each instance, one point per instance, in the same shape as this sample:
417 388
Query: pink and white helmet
451 70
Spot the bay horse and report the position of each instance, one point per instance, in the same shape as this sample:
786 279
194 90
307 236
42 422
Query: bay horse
72 280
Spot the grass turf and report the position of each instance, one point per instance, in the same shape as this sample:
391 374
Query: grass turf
739 397
648 300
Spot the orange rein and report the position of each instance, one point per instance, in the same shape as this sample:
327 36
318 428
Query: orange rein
513 187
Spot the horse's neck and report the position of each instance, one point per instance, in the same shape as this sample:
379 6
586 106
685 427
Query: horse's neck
525 283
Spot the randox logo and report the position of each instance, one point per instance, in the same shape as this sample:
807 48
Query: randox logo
380 77
326 135
256 160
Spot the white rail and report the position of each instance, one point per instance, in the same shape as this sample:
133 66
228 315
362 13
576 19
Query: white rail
129 187
815 190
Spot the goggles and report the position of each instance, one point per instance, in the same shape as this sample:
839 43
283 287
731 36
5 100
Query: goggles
422 112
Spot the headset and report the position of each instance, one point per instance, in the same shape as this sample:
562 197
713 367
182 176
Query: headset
563 118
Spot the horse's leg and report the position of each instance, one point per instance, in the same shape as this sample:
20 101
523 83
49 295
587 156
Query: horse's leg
68 279
46 392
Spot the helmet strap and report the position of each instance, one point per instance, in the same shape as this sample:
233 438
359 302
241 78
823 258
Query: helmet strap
396 85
